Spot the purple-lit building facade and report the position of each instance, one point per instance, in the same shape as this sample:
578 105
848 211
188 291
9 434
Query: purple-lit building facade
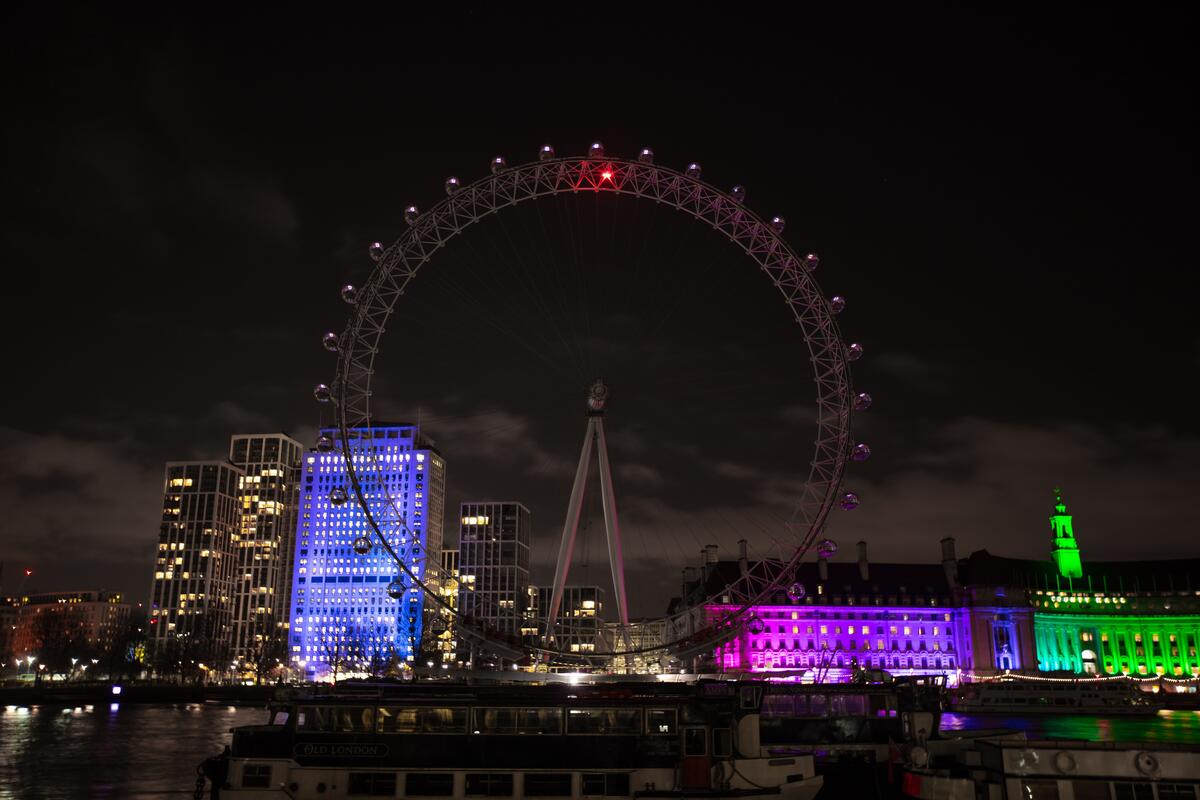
907 619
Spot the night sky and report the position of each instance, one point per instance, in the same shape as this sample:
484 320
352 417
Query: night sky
1006 202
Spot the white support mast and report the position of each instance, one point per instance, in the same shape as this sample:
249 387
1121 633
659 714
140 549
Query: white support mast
593 436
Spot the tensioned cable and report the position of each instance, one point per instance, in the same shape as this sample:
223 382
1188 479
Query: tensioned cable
532 286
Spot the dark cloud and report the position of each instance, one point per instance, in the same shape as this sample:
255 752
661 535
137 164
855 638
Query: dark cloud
180 223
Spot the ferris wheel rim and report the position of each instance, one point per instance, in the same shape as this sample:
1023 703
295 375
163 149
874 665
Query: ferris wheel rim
759 239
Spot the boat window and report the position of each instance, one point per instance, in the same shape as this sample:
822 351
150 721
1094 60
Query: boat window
548 784
816 705
694 742
722 742
1039 790
1094 790
599 784
354 719
256 776
604 720
847 705
490 784
1127 790
518 721
429 784
780 705
880 704
316 718
660 721
279 716
402 719
1175 791
372 784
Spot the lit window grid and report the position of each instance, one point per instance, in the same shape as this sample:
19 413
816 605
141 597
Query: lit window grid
340 605
264 547
192 589
820 638
493 563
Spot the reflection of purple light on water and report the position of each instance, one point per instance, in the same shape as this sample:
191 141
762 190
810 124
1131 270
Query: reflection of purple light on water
114 706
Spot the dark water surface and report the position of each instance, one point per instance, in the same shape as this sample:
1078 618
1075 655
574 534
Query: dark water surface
141 751
134 751
1182 727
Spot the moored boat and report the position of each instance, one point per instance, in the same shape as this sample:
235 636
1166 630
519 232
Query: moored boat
1008 766
1016 695
452 740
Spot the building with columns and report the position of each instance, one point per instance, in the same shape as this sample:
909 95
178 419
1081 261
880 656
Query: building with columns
970 618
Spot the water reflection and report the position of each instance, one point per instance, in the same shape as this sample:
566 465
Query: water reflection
122 751
1166 726
134 751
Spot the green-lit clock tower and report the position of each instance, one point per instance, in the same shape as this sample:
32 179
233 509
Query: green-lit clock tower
1066 551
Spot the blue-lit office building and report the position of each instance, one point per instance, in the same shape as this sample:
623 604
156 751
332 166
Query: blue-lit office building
341 612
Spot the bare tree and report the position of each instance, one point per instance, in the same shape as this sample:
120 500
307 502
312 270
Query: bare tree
268 654
342 652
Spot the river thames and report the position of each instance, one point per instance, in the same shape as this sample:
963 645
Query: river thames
144 751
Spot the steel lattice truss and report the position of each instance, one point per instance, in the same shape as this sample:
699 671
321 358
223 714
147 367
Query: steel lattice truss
690 631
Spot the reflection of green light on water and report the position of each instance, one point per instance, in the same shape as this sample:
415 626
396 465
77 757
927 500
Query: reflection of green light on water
1171 727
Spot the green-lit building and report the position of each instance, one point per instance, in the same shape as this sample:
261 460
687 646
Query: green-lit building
1087 617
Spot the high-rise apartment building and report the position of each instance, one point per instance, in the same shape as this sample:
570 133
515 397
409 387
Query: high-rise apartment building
447 636
493 553
263 547
192 596
579 627
350 607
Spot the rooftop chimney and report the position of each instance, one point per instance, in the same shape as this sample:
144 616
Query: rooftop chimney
863 568
743 560
950 562
822 568
710 554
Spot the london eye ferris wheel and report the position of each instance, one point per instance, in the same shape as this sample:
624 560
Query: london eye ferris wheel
686 631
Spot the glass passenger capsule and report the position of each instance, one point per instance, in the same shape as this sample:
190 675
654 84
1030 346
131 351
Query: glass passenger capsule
452 185
338 496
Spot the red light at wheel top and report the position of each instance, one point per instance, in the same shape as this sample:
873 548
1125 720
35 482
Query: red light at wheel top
607 175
